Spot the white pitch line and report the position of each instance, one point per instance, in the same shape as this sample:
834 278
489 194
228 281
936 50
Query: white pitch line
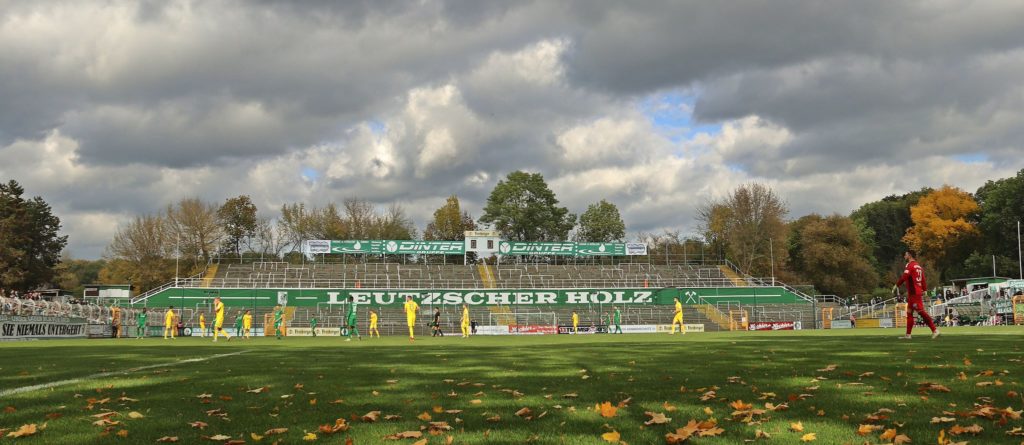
13 391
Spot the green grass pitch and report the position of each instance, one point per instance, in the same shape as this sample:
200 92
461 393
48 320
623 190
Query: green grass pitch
831 382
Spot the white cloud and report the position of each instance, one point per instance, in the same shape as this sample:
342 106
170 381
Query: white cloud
611 140
114 109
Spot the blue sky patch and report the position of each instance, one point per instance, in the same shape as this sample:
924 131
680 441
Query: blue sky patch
376 127
971 158
671 113
310 174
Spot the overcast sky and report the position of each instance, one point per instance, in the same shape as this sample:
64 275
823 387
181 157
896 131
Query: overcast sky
111 109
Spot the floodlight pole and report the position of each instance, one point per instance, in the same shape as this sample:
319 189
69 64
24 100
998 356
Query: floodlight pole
1020 264
771 251
177 255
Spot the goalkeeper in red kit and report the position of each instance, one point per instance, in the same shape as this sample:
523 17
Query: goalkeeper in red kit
913 275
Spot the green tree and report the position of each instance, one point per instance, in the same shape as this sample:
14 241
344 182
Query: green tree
980 265
74 274
523 208
450 222
831 254
885 222
237 218
601 223
1002 206
30 241
750 223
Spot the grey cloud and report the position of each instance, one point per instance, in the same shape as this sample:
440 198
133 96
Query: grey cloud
642 47
155 101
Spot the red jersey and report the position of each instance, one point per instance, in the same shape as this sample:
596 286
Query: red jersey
913 275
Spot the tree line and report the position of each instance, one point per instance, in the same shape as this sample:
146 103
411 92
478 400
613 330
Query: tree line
149 249
957 234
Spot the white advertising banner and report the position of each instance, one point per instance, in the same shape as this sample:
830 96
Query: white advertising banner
692 327
320 332
40 326
638 329
842 324
318 246
492 330
634 249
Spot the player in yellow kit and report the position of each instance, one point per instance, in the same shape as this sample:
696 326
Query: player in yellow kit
202 325
465 321
373 324
410 316
678 319
218 320
169 323
246 324
575 322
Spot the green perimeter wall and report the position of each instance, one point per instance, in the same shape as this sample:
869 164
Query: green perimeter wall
189 297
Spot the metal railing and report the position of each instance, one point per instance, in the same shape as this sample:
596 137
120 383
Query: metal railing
92 313
168 285
526 281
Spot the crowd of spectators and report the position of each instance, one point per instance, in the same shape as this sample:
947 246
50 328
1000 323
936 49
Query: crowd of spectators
11 293
13 302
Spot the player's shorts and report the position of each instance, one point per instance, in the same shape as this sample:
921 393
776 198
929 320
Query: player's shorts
411 321
678 318
373 325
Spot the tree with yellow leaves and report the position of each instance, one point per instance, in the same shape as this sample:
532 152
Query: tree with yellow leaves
943 226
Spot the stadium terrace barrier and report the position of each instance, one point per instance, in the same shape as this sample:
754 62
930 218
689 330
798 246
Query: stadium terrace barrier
188 297
436 276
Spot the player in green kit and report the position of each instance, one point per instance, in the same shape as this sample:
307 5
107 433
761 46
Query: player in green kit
312 325
352 329
278 319
608 323
140 328
238 325
618 321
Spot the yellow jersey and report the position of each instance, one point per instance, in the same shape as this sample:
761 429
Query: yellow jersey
575 319
169 317
679 307
373 318
411 308
247 321
465 315
202 320
219 308
115 315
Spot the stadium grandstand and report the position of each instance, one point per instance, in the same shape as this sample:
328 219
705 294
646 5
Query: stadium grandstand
506 294
509 293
